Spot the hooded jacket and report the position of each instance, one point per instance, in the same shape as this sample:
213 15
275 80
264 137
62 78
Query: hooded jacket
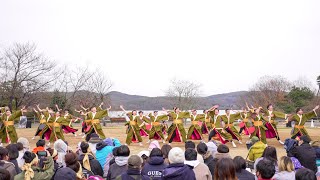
178 171
9 167
104 148
154 167
119 167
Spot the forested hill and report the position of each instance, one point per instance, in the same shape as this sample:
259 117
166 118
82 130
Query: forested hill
226 100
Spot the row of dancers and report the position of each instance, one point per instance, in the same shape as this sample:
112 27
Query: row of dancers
254 122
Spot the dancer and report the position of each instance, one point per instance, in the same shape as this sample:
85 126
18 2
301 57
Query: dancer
272 131
218 132
245 123
8 132
206 126
43 126
156 128
194 131
69 118
133 134
300 118
93 122
259 124
229 119
56 122
142 120
176 131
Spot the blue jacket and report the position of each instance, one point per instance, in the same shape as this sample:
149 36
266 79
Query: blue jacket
154 167
103 150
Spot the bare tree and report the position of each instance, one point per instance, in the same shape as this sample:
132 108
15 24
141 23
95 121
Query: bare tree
82 86
183 93
268 89
24 72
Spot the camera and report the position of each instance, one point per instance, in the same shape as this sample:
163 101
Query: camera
42 157
42 154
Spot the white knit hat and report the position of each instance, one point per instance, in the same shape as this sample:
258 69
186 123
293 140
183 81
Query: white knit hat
24 142
176 155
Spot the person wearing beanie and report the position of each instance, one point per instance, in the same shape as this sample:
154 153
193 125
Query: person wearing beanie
256 150
200 170
121 162
133 172
154 167
31 170
65 174
104 149
88 161
165 149
177 169
208 159
5 164
306 154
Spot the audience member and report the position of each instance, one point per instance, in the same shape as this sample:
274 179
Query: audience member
200 170
286 169
121 162
240 166
225 169
265 169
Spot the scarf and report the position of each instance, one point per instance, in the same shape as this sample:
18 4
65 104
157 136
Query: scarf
86 161
29 173
121 160
79 173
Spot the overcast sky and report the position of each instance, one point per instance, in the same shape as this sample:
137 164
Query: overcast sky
223 45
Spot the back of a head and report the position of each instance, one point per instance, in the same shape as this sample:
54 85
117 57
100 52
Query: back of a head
19 146
190 154
223 149
189 144
5 174
239 163
3 153
71 160
13 151
123 150
115 151
65 174
41 143
265 169
176 155
84 147
165 149
134 162
28 156
305 174
286 164
225 169
202 148
270 153
156 152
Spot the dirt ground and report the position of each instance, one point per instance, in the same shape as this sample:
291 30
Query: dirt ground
117 131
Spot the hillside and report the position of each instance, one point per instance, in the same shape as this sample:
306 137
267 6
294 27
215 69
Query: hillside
150 103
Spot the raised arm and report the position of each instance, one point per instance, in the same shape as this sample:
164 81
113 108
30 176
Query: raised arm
213 107
121 107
